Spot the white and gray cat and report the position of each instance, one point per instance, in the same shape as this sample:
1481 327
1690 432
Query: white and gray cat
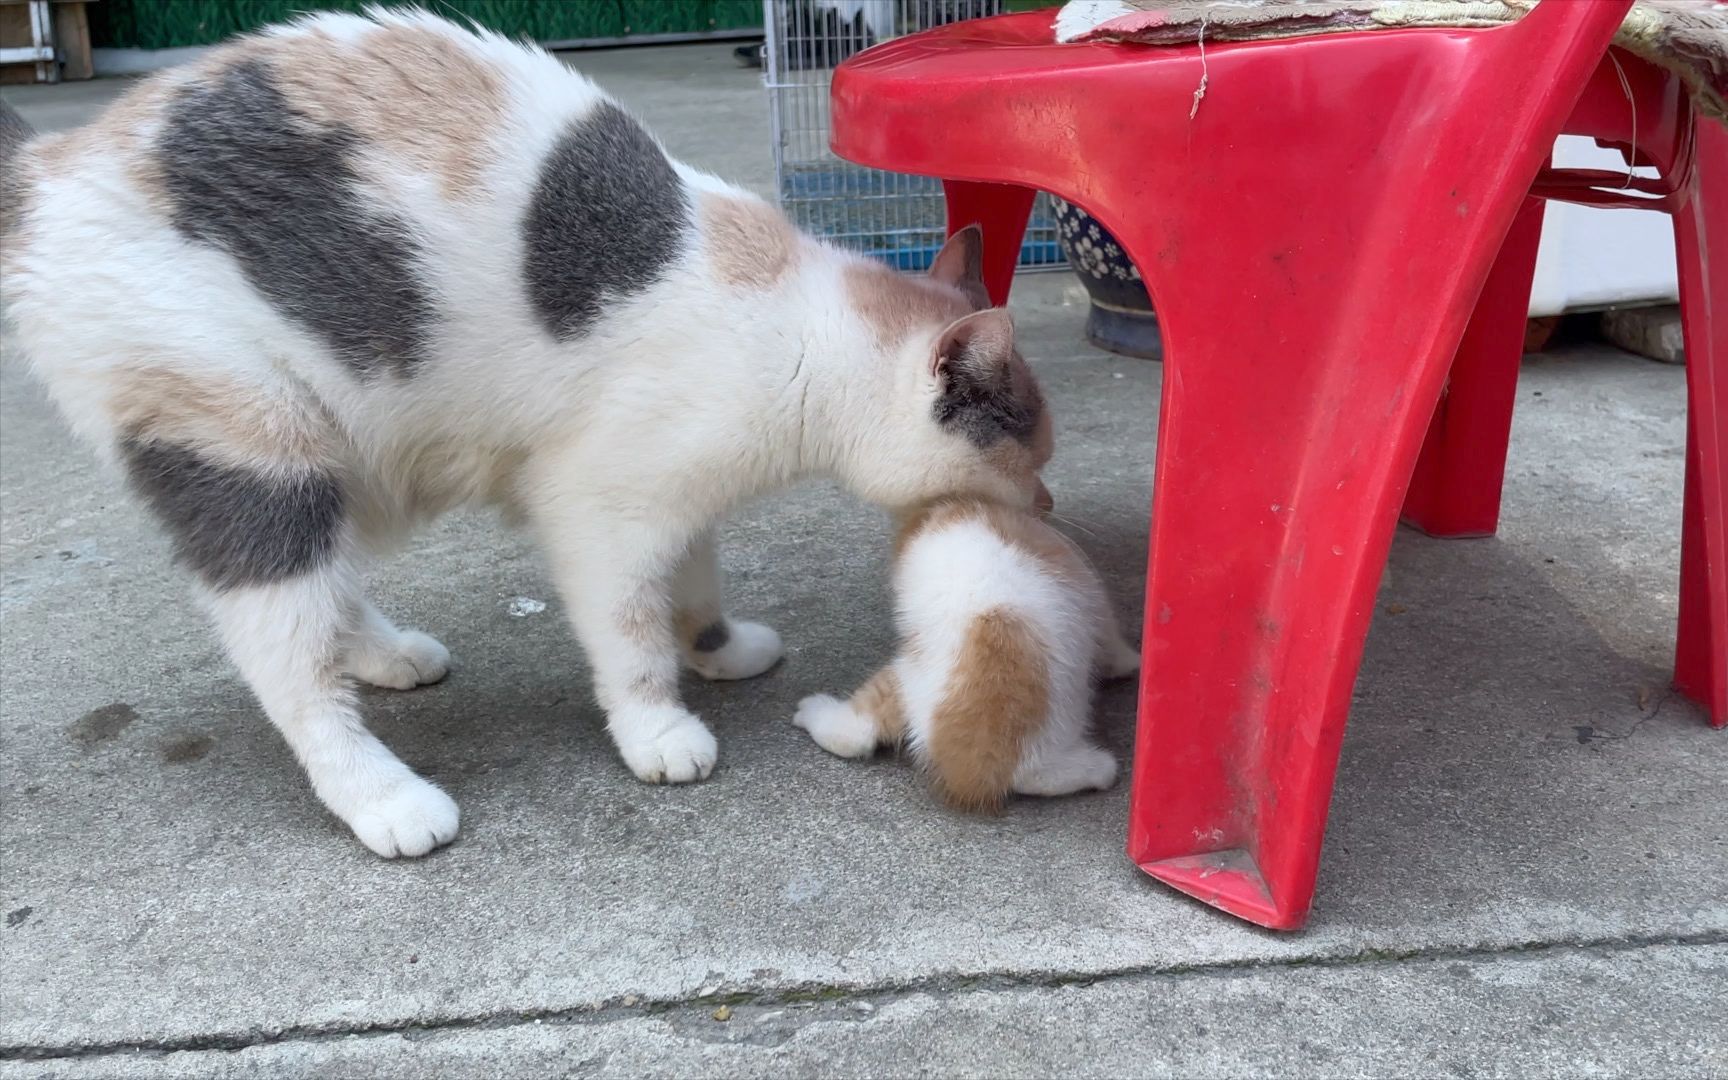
339 277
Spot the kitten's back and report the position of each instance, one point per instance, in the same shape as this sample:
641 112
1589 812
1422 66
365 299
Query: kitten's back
996 611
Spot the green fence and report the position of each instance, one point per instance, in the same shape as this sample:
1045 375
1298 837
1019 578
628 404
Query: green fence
161 24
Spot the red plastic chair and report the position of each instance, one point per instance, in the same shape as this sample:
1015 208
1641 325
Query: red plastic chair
1456 487
1315 219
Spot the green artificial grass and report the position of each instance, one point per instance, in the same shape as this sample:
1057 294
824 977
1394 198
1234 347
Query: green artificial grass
161 24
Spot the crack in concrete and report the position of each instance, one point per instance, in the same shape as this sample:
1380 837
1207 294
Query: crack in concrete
815 995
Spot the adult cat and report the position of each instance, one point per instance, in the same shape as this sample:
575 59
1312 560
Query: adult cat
344 275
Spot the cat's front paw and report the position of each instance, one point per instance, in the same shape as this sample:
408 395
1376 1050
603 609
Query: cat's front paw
737 650
407 660
836 726
410 818
664 744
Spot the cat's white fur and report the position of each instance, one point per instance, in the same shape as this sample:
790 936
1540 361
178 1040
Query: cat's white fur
621 450
949 574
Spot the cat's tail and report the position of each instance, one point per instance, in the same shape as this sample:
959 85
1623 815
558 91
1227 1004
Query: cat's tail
998 694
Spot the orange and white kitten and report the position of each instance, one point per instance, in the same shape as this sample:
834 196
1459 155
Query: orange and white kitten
1003 624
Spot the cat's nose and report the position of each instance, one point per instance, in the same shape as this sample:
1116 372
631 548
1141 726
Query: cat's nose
1043 500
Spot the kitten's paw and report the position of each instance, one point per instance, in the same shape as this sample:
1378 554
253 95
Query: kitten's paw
836 726
408 660
665 745
1119 661
744 651
1097 769
1081 768
410 818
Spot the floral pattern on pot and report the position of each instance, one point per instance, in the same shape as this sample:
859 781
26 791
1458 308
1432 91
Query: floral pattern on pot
1090 248
1121 318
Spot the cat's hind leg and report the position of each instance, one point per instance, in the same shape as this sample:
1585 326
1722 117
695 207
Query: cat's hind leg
715 646
244 482
286 639
378 652
1065 769
1062 758
874 716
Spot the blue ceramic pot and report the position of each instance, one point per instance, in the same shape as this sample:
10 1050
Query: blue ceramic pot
1121 319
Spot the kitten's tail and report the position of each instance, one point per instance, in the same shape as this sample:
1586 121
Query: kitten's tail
997 695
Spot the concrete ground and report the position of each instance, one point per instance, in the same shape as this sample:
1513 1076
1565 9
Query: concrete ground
1525 874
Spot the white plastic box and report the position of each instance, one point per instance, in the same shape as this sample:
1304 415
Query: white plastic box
1595 258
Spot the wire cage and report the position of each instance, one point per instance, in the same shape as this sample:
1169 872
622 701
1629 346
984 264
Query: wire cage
894 217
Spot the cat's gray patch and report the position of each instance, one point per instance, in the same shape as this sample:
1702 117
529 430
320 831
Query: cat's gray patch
232 526
14 133
16 916
103 724
980 401
608 216
248 175
712 638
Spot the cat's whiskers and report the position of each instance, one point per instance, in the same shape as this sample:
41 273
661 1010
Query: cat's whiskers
1072 523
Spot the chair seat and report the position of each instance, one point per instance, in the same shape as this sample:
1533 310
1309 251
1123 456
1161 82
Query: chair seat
904 104
1688 38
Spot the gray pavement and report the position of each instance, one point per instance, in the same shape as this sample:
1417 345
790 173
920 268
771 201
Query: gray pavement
1527 869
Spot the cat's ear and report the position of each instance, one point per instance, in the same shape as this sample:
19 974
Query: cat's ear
974 348
983 389
960 263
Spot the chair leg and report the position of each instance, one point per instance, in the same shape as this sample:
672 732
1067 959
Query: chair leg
1698 658
1001 210
1282 461
1455 490
1701 242
1288 434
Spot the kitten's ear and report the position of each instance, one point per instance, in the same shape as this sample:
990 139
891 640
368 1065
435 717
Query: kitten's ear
974 349
960 263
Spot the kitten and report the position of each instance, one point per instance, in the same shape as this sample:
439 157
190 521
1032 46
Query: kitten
1003 624
339 277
